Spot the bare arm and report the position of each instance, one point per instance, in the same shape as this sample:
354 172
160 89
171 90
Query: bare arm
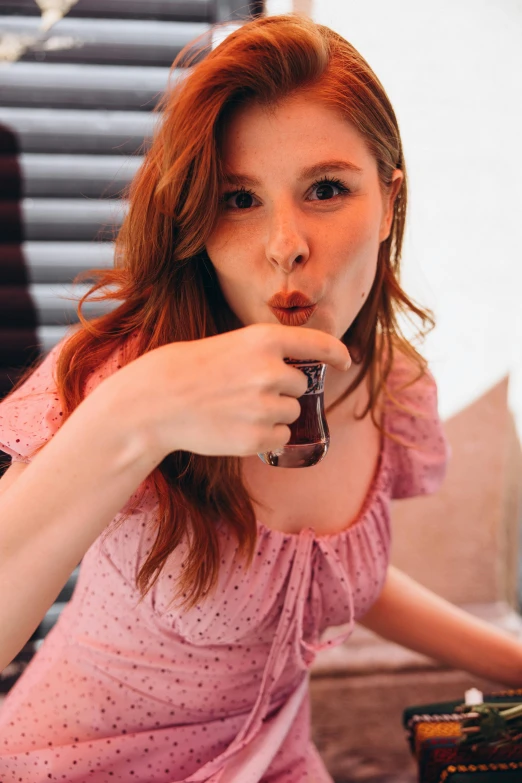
57 507
411 615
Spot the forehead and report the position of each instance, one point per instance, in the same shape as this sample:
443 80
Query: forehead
293 132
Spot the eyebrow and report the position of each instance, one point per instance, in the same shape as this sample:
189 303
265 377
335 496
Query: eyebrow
308 173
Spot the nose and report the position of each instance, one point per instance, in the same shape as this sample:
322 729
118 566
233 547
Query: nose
286 245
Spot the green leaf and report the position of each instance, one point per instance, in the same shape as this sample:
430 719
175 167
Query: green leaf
492 724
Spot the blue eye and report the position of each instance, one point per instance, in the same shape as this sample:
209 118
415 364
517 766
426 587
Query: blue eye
243 199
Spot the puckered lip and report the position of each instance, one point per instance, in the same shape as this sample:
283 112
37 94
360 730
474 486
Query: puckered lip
293 316
283 300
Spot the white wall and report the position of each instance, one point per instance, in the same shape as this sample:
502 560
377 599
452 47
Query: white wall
279 7
453 71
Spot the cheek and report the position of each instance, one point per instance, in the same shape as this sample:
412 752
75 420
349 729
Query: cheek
357 262
357 238
228 249
230 263
217 246
364 282
368 274
354 274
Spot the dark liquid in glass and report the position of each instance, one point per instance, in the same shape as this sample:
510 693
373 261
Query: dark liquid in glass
309 439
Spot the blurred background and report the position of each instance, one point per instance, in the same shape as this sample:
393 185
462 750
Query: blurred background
78 81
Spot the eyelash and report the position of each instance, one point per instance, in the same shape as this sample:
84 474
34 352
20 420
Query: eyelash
343 190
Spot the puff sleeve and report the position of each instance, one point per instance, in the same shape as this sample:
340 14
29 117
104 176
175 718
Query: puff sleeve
420 449
31 415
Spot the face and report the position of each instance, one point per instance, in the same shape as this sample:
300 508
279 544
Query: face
302 217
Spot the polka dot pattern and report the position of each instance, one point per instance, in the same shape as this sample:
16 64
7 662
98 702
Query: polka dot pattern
122 690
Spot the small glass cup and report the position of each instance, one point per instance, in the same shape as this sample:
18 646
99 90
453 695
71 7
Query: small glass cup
310 437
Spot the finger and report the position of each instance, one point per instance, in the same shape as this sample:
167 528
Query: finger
299 343
278 438
279 410
287 410
292 382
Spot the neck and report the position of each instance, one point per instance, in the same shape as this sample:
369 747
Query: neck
336 384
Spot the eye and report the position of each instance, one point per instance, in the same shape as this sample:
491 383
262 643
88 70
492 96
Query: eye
243 199
238 199
326 187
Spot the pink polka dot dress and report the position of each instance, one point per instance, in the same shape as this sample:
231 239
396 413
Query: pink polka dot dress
129 691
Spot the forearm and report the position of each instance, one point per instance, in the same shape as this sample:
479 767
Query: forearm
58 506
411 615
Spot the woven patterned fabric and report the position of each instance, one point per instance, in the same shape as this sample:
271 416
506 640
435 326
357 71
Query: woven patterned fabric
434 738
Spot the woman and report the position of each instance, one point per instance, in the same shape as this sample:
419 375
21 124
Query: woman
266 222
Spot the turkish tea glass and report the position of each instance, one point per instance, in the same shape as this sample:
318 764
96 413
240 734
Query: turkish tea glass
310 437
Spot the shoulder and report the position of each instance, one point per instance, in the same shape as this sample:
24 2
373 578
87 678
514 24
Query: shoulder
411 391
417 443
32 413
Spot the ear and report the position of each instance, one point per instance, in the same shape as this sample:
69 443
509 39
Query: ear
388 202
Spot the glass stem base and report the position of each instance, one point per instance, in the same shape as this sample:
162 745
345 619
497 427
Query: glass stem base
302 455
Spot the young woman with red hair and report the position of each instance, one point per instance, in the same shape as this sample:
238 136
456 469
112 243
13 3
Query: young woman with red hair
266 222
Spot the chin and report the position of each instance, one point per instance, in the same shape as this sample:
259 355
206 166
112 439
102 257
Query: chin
323 323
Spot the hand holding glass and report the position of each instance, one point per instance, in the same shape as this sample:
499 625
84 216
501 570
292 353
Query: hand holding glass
310 438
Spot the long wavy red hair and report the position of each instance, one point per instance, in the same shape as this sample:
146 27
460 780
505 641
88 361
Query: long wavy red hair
164 285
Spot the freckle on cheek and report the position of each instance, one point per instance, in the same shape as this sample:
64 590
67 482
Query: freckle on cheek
363 294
